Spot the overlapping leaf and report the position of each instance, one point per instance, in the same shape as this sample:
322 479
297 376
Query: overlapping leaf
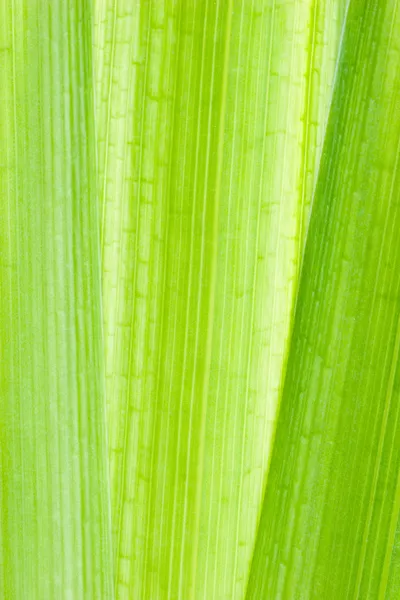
333 495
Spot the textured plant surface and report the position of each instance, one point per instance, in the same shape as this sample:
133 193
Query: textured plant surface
199 299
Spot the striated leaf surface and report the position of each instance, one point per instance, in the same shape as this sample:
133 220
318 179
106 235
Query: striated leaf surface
210 118
328 526
55 538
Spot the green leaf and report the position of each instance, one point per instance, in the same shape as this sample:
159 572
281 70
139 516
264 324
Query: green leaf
332 500
55 541
210 121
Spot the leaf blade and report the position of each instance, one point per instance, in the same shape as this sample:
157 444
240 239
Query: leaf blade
233 121
331 493
55 509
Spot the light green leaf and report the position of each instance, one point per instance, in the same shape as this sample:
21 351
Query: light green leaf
210 121
333 494
55 541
